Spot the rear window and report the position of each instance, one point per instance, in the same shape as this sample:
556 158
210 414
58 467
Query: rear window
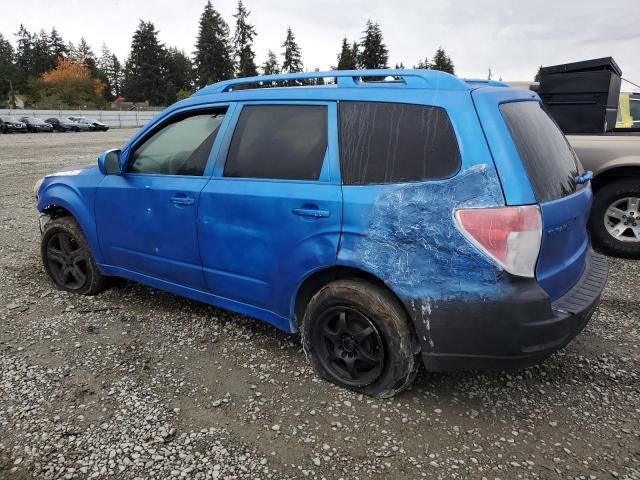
394 143
549 160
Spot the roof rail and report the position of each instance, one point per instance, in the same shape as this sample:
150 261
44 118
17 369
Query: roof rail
349 78
483 82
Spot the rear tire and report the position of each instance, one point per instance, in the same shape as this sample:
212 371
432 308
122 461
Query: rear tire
67 258
613 195
357 335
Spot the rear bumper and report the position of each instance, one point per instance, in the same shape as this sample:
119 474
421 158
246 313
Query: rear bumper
519 330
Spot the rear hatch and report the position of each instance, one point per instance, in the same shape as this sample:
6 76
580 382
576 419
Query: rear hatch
536 165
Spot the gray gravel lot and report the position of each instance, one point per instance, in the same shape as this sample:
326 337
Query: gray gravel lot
138 383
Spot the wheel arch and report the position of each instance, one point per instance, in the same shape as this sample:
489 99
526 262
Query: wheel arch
318 279
615 173
62 200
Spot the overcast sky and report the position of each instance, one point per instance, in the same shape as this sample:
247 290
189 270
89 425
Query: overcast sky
512 37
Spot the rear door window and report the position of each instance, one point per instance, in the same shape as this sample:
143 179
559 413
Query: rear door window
280 142
549 160
395 143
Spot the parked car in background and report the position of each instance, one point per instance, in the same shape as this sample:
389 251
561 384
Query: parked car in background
65 125
36 124
10 125
614 159
93 125
448 225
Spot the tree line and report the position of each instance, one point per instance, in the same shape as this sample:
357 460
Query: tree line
49 70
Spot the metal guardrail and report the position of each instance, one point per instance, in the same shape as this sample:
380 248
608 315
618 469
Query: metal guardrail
112 118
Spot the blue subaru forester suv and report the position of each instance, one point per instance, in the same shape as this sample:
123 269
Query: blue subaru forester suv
386 215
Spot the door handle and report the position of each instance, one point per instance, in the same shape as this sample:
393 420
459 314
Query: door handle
311 212
181 200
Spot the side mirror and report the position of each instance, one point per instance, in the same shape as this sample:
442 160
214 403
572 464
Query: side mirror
109 162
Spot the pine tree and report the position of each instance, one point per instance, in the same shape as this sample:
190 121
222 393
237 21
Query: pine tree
213 59
42 60
271 66
400 66
374 52
179 74
441 61
8 73
423 64
24 54
84 54
355 53
144 74
292 55
57 47
110 68
347 59
243 43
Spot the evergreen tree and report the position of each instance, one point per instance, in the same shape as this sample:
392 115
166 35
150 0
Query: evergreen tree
355 53
57 47
72 51
24 54
243 43
400 66
423 64
271 66
179 74
374 51
110 69
144 74
292 55
42 60
213 61
441 61
347 59
84 54
8 73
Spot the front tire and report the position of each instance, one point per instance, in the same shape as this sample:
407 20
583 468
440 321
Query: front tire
357 335
67 258
615 218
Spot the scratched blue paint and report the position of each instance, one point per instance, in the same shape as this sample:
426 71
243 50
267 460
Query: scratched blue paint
411 242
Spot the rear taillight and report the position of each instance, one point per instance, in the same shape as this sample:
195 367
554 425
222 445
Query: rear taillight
510 236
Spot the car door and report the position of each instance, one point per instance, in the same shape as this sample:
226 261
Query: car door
146 217
272 212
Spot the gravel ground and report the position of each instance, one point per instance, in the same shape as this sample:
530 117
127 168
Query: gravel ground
138 383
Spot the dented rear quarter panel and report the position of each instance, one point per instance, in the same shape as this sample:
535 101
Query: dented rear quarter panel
405 234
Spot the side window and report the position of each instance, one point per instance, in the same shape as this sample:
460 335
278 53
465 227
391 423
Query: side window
284 142
180 148
394 143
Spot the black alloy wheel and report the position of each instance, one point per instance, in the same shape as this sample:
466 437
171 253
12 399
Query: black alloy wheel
356 334
349 346
67 261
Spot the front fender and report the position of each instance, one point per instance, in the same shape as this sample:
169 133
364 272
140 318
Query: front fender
79 204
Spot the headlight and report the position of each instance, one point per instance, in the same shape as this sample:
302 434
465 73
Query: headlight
36 187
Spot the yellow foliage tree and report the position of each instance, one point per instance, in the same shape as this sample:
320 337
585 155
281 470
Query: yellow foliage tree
70 83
